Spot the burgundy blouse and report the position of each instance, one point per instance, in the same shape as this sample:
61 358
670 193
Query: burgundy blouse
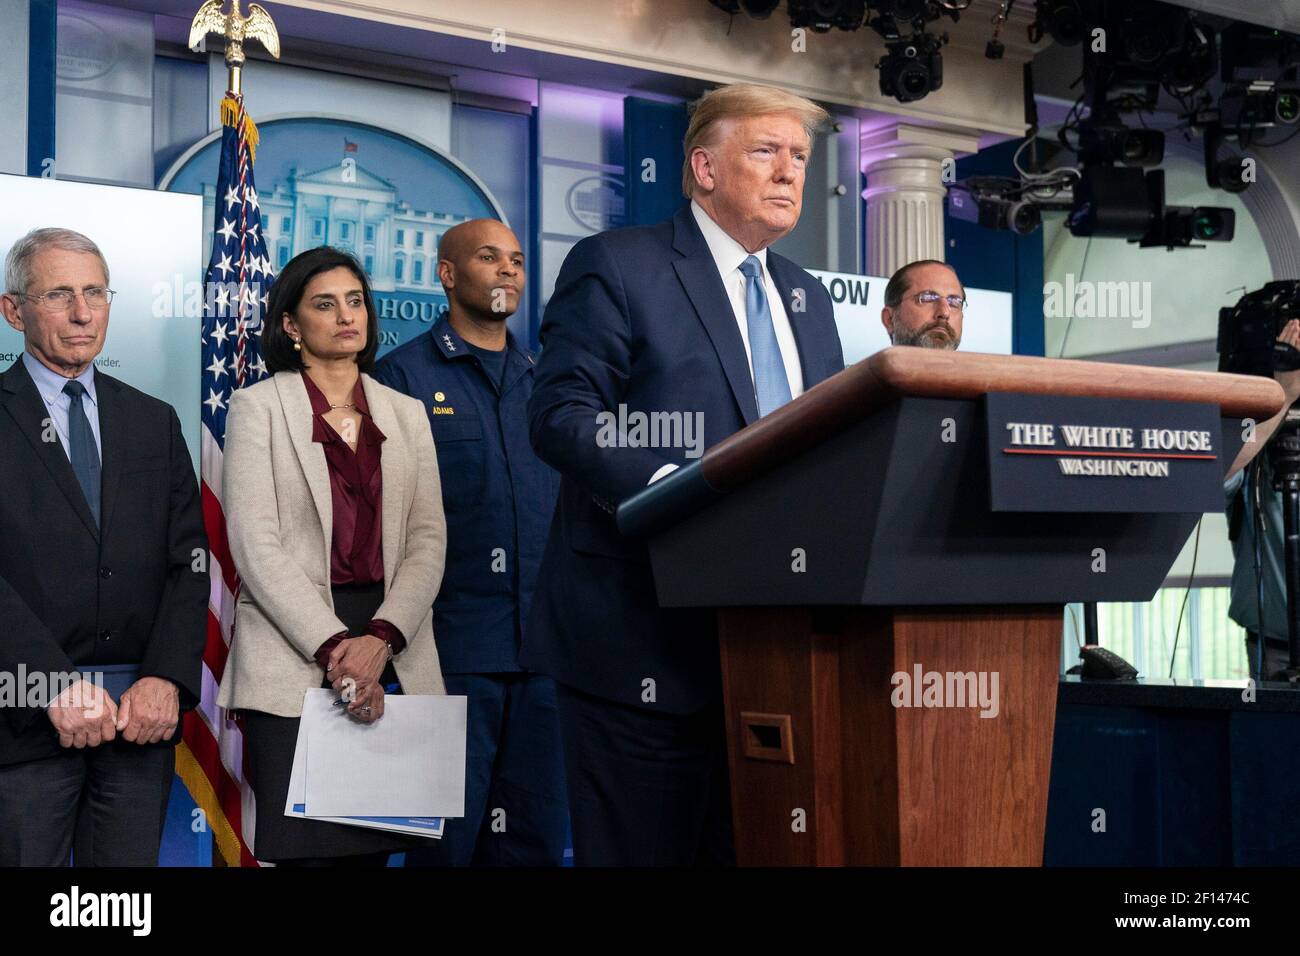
356 492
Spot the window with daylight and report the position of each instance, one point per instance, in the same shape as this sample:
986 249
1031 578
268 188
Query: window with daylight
370 233
419 240
1205 645
417 271
401 237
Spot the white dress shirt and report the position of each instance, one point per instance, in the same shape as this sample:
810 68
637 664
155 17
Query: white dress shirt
728 254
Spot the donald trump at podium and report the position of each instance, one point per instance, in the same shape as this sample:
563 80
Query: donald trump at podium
694 316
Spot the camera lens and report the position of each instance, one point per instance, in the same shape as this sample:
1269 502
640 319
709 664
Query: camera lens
914 81
1288 107
1024 217
1133 147
1208 224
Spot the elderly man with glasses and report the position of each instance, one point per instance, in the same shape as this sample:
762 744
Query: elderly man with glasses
103 576
924 304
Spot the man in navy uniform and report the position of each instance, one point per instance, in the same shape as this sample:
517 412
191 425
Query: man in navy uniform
695 316
475 380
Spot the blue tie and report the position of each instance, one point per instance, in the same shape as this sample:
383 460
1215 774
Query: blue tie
81 448
771 386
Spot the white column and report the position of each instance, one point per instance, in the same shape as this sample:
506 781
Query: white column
908 168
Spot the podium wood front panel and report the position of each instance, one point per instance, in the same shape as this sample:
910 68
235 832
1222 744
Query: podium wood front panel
825 770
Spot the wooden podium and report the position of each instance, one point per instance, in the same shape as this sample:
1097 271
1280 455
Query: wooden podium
848 543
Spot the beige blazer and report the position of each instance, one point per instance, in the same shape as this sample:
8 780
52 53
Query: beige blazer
276 488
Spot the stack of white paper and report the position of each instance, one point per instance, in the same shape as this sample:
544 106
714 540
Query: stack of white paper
404 773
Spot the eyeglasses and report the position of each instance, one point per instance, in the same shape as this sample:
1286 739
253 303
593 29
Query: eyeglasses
930 297
61 300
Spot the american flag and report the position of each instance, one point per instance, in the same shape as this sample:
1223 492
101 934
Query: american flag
239 276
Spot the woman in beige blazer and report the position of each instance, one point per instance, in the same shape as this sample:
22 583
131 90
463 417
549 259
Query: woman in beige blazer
338 536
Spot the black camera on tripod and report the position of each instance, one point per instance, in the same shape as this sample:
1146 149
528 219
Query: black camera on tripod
912 68
1248 331
1248 345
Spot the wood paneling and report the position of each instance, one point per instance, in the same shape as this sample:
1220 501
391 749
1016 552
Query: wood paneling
876 784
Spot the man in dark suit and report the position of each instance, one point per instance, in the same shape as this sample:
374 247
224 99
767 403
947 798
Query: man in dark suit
103 576
692 321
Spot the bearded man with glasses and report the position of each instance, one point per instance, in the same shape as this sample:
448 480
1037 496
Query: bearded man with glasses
924 305
103 577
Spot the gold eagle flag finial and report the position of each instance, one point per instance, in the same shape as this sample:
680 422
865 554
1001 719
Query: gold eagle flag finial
237 29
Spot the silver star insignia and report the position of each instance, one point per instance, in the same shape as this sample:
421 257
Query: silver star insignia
451 346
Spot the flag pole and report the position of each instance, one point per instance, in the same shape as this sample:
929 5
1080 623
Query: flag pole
237 30
217 784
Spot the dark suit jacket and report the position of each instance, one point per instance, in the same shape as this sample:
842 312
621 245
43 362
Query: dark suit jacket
640 317
72 595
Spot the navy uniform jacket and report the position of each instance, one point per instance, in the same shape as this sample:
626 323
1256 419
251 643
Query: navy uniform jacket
640 318
496 494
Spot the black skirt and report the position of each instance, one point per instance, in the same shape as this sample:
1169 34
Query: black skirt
269 743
